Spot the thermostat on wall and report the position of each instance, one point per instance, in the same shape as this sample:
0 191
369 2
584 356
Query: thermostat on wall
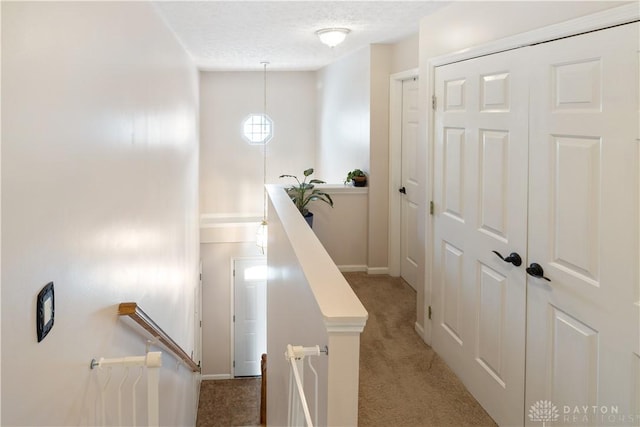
44 311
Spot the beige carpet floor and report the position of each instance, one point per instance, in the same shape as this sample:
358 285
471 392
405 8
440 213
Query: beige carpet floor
226 403
403 383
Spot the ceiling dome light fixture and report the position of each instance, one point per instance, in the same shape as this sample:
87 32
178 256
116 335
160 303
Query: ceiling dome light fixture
332 37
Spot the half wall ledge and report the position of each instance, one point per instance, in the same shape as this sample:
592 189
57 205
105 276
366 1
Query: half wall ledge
309 302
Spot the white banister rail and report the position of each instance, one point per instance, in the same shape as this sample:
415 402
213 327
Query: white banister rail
150 363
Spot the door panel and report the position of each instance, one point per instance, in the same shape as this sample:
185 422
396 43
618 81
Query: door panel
409 244
454 172
250 314
491 311
583 324
452 308
480 194
575 168
494 174
575 359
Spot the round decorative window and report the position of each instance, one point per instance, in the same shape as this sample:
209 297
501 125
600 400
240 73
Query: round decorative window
257 129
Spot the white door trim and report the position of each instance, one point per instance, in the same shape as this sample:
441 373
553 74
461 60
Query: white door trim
395 164
197 356
232 326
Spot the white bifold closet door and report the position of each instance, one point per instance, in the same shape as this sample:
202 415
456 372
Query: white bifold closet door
480 194
583 325
536 154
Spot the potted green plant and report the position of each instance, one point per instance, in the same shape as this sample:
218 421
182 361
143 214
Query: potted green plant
358 178
305 192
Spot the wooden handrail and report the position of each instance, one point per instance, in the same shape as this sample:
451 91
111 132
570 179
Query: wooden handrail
132 310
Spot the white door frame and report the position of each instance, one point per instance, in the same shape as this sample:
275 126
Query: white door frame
395 165
197 326
232 309
197 356
600 20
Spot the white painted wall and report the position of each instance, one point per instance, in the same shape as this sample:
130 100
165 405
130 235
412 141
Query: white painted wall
461 25
309 303
343 229
231 181
404 54
293 317
344 117
0 221
99 195
353 132
217 293
231 171
378 258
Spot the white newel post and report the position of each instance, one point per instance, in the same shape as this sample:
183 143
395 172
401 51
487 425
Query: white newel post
344 366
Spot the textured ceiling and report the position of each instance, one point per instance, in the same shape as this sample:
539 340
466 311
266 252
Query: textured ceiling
238 35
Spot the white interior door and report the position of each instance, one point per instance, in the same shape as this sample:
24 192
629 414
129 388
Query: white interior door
480 195
583 324
250 315
409 249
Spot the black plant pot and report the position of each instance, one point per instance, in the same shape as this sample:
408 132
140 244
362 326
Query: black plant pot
309 218
359 181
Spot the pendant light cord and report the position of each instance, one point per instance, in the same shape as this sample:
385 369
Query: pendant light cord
264 146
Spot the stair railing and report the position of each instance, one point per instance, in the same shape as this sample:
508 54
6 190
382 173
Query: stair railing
150 363
133 311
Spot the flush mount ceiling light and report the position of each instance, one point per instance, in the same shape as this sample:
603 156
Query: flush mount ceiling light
332 36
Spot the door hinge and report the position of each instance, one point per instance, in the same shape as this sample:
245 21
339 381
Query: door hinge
429 312
434 102
234 317
201 323
234 363
431 207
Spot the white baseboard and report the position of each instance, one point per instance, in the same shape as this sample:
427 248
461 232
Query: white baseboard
419 330
216 377
378 270
352 268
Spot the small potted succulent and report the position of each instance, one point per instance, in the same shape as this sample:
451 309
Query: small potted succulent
305 192
358 178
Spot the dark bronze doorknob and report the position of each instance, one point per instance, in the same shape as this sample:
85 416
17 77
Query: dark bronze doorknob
513 258
536 270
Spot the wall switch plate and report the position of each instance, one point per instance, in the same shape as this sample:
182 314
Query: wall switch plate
45 311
